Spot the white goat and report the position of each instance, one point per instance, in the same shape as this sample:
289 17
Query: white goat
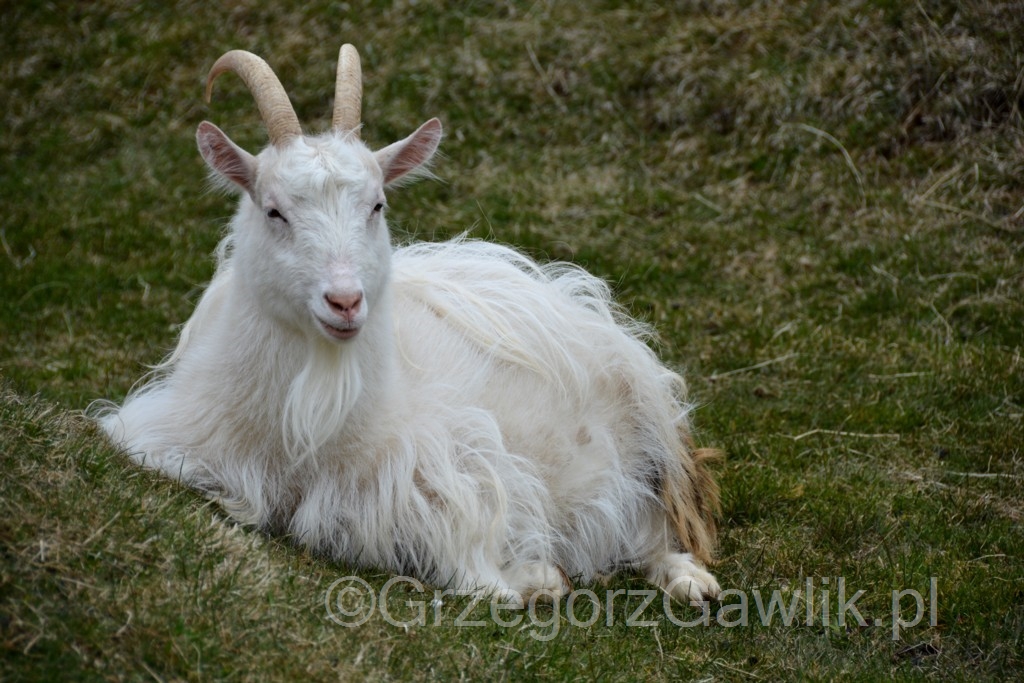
454 411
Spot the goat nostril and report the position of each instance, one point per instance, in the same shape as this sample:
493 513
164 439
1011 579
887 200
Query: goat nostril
344 304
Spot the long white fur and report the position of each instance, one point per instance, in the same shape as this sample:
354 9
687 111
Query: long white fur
493 420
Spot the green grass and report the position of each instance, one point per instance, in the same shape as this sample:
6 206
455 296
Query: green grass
819 205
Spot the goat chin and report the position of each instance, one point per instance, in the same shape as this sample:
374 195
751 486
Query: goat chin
493 419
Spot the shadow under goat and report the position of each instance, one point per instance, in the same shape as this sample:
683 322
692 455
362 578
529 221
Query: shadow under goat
453 411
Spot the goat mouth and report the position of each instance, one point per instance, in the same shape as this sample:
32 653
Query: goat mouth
339 332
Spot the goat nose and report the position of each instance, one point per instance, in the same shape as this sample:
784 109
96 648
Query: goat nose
344 305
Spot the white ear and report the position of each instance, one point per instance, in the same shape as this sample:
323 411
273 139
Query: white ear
405 156
225 157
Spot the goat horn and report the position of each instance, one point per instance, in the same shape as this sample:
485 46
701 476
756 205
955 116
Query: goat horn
348 91
271 99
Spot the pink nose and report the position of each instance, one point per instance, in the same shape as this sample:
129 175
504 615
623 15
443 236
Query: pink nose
345 306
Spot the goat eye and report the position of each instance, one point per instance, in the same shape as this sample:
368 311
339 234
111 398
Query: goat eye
274 214
378 207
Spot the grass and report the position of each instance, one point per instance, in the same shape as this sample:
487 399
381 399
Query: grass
819 205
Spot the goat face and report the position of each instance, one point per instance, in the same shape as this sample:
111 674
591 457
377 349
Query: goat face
314 248
310 242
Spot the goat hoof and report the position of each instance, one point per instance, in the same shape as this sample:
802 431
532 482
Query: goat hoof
679 575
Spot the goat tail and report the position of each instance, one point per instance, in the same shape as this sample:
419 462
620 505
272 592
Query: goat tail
691 498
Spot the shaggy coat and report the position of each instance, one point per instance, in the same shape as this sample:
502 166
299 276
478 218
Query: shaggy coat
452 411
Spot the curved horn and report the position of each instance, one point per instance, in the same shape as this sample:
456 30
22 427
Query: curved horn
271 99
348 91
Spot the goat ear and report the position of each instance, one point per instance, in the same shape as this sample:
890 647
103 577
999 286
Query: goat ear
405 156
225 157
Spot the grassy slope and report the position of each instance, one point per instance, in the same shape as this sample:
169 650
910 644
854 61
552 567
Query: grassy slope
818 204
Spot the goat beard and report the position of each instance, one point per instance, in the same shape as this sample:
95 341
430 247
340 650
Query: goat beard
319 401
